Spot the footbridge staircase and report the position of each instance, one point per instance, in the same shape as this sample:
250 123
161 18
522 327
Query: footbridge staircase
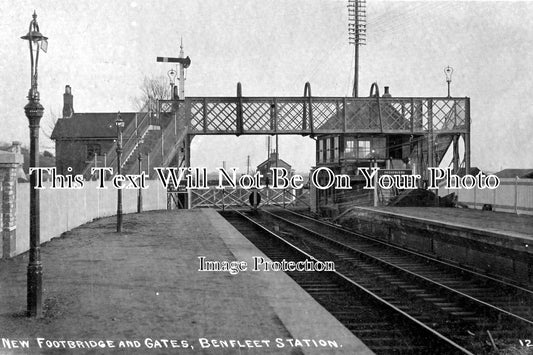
155 138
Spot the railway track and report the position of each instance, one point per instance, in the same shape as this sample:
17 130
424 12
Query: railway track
511 298
477 311
384 326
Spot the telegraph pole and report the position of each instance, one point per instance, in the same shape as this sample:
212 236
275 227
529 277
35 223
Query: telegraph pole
356 34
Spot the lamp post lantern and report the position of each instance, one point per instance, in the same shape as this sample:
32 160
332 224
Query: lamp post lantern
448 71
172 76
34 112
119 123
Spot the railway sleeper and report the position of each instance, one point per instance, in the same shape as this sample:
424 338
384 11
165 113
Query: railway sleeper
462 313
416 291
407 349
382 340
394 280
374 331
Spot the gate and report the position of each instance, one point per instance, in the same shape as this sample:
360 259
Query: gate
237 198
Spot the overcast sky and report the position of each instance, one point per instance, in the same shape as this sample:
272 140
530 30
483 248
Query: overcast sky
104 48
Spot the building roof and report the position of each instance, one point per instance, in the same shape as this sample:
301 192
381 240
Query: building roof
474 170
89 125
513 173
271 163
363 117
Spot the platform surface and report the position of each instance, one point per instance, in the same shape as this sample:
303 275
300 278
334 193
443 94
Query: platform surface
144 285
513 225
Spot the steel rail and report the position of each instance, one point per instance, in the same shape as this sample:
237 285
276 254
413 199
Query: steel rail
423 256
411 273
362 288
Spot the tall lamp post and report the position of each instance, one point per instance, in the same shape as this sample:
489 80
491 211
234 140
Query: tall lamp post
119 122
139 192
374 163
34 111
448 71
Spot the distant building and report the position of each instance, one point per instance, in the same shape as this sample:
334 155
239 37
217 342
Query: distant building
514 173
46 159
473 171
13 154
87 140
82 137
273 161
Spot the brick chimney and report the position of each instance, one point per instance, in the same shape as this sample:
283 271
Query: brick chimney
68 105
386 93
15 147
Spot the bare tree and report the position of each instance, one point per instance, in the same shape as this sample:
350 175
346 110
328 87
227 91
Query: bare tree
47 131
153 88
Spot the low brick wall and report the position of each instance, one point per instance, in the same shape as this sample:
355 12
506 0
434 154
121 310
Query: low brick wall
490 252
10 163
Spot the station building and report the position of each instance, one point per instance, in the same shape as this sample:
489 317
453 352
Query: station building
391 135
81 138
87 140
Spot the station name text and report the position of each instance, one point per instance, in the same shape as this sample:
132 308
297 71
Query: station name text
321 178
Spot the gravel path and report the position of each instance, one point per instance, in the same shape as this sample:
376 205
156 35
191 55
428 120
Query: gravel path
101 285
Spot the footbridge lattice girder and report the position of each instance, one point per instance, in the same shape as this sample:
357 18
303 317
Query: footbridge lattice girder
321 115
303 115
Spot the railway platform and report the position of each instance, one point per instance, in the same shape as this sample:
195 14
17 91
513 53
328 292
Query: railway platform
503 223
493 242
141 291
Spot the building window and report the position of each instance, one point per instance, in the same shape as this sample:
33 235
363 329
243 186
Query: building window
92 150
379 145
363 149
349 148
320 150
328 150
336 148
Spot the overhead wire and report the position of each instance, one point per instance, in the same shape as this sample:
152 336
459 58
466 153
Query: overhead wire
398 15
401 22
327 55
391 22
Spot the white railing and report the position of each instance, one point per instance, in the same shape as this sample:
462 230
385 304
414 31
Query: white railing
62 210
222 199
513 195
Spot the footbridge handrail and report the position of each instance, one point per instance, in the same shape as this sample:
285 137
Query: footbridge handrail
325 115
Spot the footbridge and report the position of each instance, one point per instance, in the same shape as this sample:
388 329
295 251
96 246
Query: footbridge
310 115
163 130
